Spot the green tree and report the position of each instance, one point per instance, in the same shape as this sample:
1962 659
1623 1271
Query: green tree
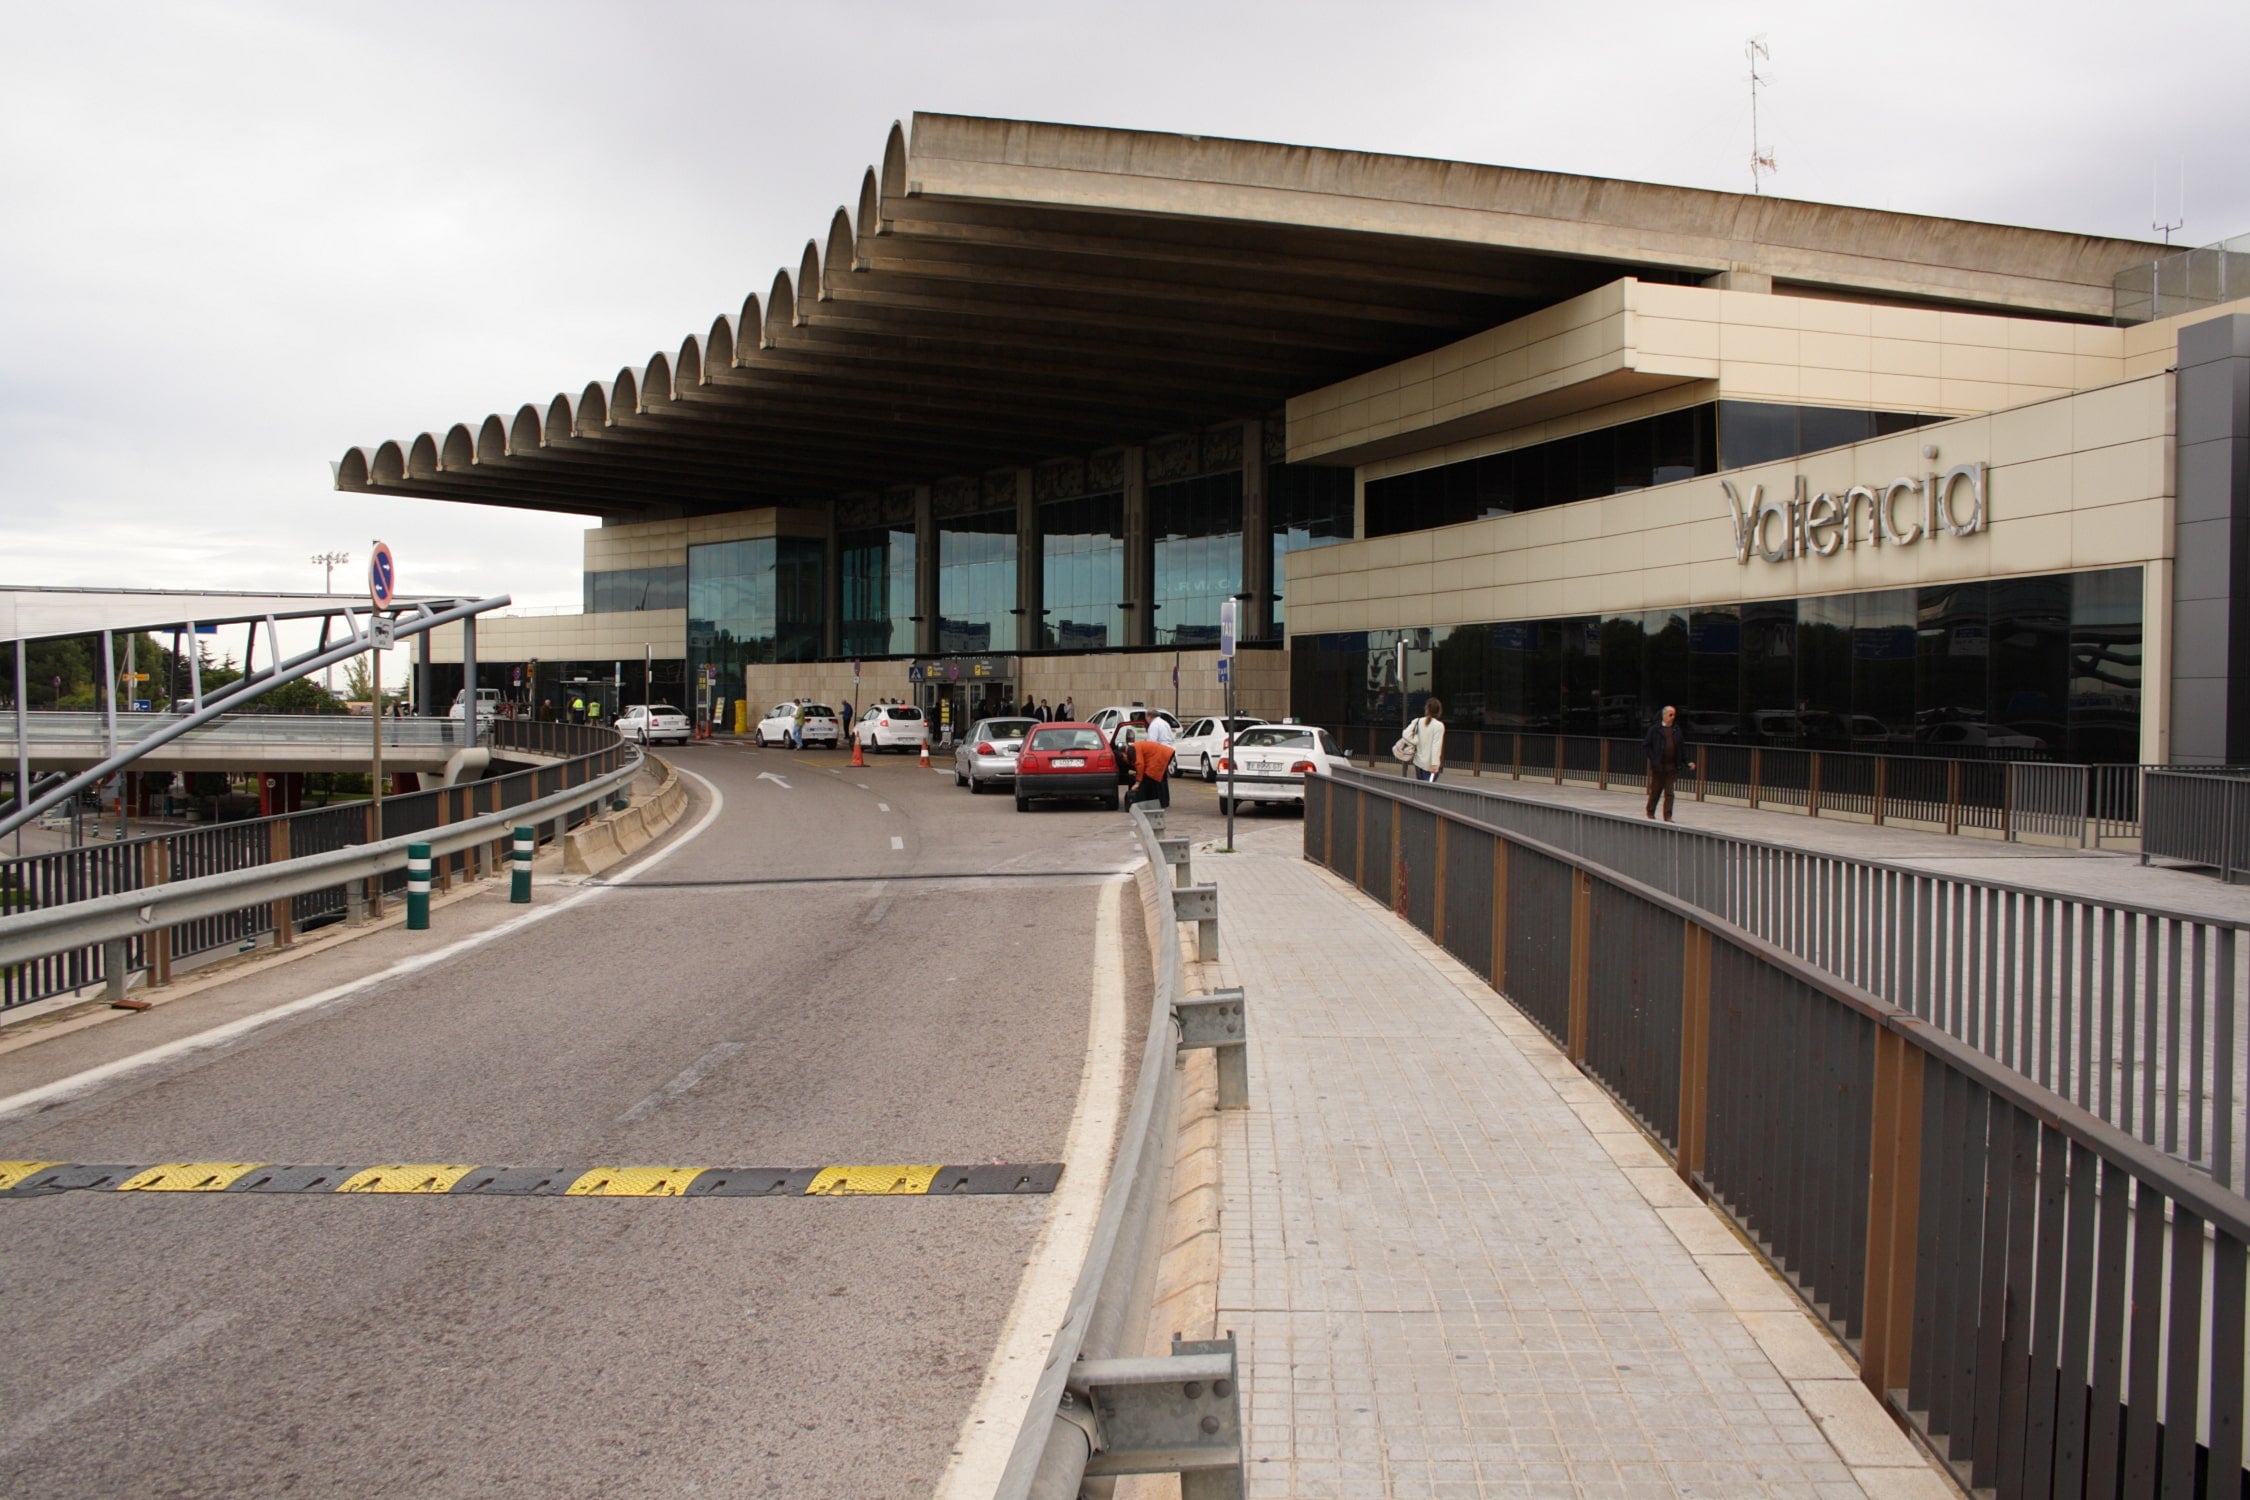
359 685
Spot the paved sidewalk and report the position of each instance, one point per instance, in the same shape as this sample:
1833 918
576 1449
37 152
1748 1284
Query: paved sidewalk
1458 1270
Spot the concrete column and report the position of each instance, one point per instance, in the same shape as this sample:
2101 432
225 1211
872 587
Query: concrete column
468 679
925 573
1140 555
831 589
422 703
1257 537
2210 676
1031 567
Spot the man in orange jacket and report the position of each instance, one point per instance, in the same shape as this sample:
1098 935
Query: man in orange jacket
1152 773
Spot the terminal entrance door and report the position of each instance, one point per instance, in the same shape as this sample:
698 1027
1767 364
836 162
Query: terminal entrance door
951 707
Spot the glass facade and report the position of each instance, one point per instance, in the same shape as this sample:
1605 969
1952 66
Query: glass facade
2046 667
1196 529
1307 505
977 583
754 601
878 581
1612 460
620 589
1082 544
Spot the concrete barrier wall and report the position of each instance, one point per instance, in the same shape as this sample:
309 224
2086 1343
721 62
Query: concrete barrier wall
617 836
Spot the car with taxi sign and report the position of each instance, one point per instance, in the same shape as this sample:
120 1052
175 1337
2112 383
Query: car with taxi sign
1271 761
650 723
778 727
892 726
1066 761
1203 741
987 754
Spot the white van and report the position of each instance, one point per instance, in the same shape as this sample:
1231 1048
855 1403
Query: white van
488 704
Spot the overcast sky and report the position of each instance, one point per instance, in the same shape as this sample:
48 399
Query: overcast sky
236 239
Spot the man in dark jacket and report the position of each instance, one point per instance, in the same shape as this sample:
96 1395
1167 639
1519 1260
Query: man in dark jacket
1667 748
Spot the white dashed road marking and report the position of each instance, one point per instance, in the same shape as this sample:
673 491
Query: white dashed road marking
897 842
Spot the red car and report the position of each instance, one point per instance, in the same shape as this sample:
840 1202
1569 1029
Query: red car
1065 760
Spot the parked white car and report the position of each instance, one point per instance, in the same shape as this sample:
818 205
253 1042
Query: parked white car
821 725
1271 762
892 726
1108 719
488 705
1203 741
651 722
987 754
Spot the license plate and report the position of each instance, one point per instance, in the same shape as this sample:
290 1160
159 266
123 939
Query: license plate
1070 763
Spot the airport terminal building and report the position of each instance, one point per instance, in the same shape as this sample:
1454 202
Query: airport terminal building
1027 413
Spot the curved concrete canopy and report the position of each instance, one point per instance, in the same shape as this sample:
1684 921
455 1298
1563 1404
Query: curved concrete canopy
1004 291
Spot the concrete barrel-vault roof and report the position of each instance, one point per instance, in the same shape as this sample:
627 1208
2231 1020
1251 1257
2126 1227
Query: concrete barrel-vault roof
998 292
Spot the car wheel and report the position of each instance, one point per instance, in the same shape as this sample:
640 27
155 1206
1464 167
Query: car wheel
1210 772
959 779
1023 803
1116 801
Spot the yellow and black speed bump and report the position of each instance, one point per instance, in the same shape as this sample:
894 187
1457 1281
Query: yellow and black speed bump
38 1179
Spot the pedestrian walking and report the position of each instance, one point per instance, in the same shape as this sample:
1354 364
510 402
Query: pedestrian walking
1160 729
1062 712
797 725
578 710
1152 772
1046 714
1422 747
1668 754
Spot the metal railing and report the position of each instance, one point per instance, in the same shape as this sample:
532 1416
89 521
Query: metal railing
249 730
2003 792
2055 1307
2135 1014
67 877
2197 816
1060 1437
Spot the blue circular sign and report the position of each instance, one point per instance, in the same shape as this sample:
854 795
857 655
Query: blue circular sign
382 576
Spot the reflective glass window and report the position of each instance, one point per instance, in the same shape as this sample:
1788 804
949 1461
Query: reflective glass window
1714 708
2030 634
1666 676
2105 666
977 583
1953 680
1307 505
878 569
1884 652
1623 643
1769 672
1082 544
1196 529
1824 671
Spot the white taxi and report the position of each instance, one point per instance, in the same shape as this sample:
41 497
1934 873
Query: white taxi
892 726
1203 741
1270 763
779 725
650 722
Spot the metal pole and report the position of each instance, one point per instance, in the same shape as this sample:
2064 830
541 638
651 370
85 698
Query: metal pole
469 681
1226 738
375 780
23 744
195 667
109 723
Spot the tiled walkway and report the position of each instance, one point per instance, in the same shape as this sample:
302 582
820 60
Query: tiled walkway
1457 1270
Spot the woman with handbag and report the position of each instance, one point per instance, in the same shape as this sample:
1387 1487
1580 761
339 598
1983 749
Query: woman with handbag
1422 746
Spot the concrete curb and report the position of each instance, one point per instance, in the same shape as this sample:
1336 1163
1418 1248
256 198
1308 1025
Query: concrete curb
608 840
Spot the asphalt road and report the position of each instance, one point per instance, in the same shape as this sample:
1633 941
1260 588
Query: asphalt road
848 965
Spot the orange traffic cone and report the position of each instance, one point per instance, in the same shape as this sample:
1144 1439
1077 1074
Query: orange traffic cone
859 752
925 752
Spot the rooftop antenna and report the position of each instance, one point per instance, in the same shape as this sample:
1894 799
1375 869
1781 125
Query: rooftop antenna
2156 219
1761 162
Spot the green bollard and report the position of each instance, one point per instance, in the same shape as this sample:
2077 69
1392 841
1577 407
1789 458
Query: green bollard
417 887
519 883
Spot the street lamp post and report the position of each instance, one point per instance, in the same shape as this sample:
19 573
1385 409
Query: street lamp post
330 561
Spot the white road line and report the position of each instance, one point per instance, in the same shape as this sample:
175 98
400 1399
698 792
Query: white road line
882 807
170 1347
93 1078
689 1076
988 1434
897 842
776 780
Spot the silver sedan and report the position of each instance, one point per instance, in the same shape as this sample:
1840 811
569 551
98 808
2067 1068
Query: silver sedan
986 755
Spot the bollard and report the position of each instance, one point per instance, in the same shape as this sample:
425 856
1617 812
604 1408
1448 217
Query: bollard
1175 852
355 903
417 887
1199 904
519 883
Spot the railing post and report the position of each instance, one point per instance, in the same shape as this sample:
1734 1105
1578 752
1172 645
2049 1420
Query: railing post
1517 772
1757 771
1558 759
284 914
1601 778
1359 840
1894 1205
445 805
1695 1050
1812 788
156 869
1476 753
1437 889
1398 861
2008 801
1952 796
1882 786
1499 915
1702 775
1581 959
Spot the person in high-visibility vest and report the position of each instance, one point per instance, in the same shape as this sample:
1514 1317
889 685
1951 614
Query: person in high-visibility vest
578 710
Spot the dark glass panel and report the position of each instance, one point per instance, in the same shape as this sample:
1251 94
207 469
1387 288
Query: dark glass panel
1714 710
1824 671
1597 463
2105 667
1769 672
1685 445
800 577
1464 668
1623 642
1953 696
878 569
2030 650
1581 673
977 583
1883 670
1666 665
1821 427
1083 562
1755 432
1307 505
1196 526
1328 678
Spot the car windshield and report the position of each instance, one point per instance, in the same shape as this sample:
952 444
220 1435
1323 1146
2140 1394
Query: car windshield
1064 739
1267 736
1006 729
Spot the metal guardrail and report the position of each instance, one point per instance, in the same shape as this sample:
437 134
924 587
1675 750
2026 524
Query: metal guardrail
1096 1410
69 876
2056 1307
144 913
251 730
2003 792
2199 817
2135 1014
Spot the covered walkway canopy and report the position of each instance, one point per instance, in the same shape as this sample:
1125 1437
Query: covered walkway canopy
1005 291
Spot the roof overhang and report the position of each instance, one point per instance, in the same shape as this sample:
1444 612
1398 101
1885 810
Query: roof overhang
1006 291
